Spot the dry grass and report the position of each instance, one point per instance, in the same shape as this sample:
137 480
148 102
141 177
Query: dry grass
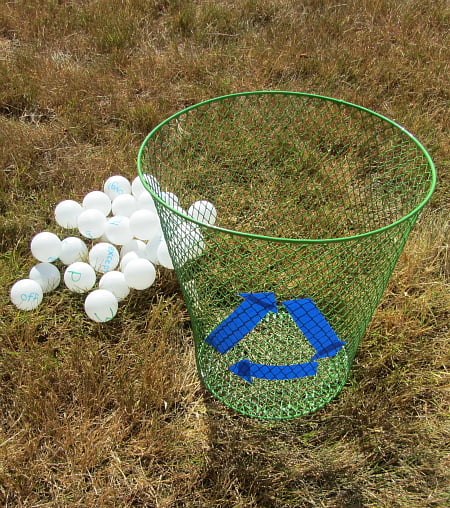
94 415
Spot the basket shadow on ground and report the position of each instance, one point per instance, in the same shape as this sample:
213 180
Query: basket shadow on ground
280 463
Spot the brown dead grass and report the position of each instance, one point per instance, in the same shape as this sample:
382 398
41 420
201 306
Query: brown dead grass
114 415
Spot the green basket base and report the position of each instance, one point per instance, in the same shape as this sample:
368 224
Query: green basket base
275 341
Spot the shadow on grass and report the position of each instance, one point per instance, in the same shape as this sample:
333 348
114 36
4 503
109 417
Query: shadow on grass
295 463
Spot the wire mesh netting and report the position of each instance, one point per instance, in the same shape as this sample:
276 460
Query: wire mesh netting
315 199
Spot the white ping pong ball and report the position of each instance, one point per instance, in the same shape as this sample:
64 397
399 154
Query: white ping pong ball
139 274
46 275
125 205
164 256
152 182
91 223
67 212
145 201
115 282
203 211
101 305
46 247
129 256
137 246
137 187
151 248
190 242
79 277
117 230
117 185
26 294
170 198
73 249
103 257
97 200
143 223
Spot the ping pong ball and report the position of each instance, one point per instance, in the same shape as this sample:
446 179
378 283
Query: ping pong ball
151 249
67 212
152 182
46 275
203 211
172 220
170 198
164 256
73 249
129 256
145 201
91 223
117 185
139 273
137 187
46 247
97 200
125 205
115 282
26 294
103 257
134 245
190 242
143 223
101 305
117 230
79 277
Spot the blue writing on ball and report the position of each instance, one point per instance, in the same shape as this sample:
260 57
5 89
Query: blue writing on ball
107 318
28 297
109 257
114 187
75 276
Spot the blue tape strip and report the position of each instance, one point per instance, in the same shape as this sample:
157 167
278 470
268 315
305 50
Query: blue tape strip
314 327
248 370
242 320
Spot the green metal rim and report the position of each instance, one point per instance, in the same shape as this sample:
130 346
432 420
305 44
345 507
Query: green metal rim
218 229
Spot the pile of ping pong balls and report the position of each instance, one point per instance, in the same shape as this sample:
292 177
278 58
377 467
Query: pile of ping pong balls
125 241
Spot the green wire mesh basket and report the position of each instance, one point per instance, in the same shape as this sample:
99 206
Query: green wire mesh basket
315 198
